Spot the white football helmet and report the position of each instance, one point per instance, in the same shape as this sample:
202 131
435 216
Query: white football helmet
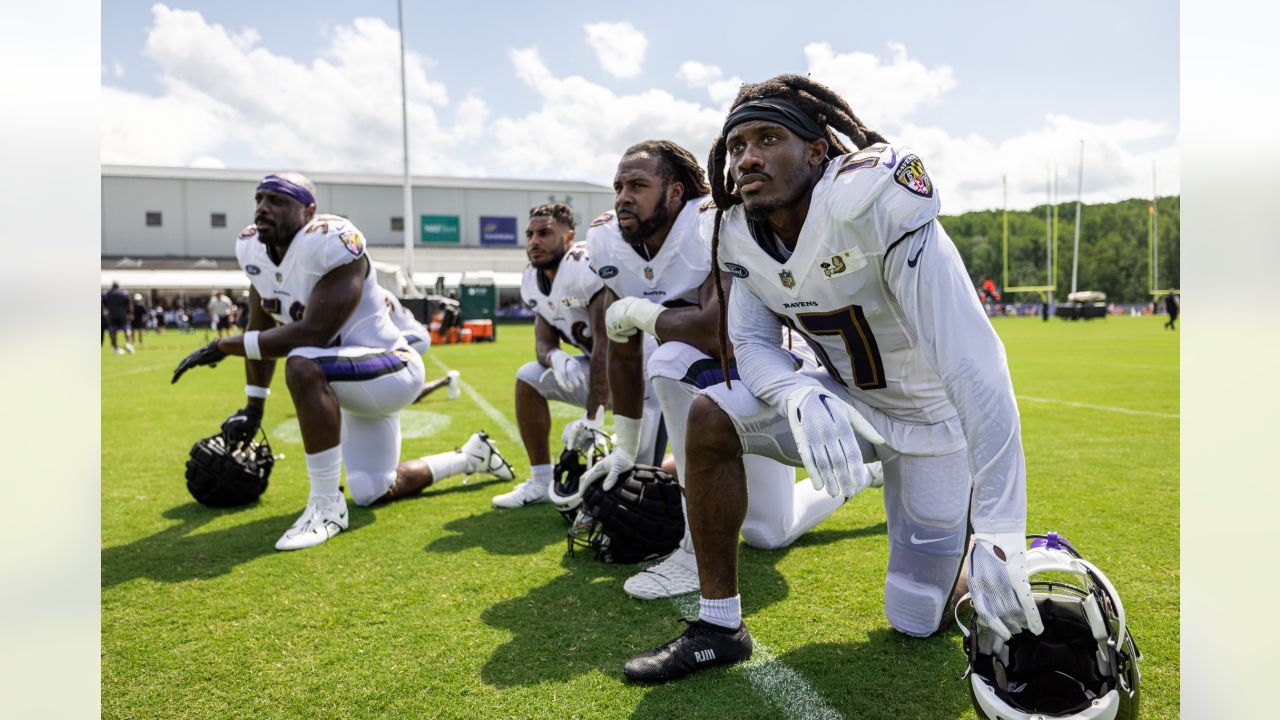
1083 666
567 487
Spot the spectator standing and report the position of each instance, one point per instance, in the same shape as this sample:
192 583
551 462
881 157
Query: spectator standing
119 308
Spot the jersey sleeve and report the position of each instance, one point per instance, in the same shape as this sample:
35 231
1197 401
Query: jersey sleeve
928 280
586 283
599 236
768 370
335 242
885 191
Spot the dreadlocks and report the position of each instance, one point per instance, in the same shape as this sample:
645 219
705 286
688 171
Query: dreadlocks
820 103
558 212
676 165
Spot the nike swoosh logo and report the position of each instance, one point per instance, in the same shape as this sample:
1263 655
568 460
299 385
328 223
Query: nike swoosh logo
917 541
823 399
893 158
911 262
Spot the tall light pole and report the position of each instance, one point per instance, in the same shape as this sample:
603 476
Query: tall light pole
409 224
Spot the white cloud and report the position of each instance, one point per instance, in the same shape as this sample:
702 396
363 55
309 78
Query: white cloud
339 112
882 94
117 70
207 161
968 170
619 46
698 75
581 129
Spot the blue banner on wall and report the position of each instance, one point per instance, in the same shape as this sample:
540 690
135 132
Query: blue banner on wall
497 230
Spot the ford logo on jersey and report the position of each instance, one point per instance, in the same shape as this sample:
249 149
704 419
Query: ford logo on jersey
607 272
736 270
252 269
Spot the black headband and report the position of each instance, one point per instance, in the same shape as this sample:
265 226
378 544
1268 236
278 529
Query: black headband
778 111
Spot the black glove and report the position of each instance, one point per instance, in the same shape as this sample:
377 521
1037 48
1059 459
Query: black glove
208 355
242 426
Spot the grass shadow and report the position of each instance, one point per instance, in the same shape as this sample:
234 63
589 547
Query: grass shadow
178 553
583 621
523 531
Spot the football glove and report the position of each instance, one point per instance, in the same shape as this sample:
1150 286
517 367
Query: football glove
208 355
999 587
627 315
621 459
241 427
824 426
580 434
567 370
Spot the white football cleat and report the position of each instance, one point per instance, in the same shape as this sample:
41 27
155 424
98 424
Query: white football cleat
119 351
528 492
676 575
320 521
128 347
455 390
483 457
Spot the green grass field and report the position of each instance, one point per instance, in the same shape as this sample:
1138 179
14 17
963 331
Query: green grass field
440 606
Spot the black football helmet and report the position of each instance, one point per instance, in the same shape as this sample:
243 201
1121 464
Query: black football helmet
225 475
641 518
1084 665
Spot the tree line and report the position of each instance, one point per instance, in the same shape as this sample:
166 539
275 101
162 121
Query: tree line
1115 255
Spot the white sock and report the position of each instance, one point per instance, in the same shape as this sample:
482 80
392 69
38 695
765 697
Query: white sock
541 476
726 612
325 470
446 464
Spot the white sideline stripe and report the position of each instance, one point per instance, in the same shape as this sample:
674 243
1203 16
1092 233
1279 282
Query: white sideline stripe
1107 408
784 688
494 414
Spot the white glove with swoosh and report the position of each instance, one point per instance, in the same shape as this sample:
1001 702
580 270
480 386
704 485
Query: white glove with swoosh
567 370
627 315
999 586
823 426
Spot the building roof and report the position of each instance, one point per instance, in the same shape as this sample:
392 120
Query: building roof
466 183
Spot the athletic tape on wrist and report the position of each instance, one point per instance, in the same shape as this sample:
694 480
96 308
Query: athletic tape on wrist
251 349
628 432
256 391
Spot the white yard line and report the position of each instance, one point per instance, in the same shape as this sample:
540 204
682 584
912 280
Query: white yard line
494 414
133 371
1107 408
781 686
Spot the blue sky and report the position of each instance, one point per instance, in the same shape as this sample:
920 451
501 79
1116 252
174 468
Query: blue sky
559 89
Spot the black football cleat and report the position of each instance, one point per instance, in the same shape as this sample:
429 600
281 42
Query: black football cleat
703 645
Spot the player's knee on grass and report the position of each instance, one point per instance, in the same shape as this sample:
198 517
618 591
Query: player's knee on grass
367 488
927 501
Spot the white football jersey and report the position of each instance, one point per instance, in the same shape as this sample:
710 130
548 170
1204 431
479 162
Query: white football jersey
882 295
832 289
672 277
325 243
563 304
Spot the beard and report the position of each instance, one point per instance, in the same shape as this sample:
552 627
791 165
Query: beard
646 227
551 263
276 236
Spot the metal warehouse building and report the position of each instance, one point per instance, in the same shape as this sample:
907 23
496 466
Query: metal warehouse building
181 218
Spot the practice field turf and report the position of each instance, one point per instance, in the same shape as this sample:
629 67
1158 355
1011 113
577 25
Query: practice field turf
440 606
